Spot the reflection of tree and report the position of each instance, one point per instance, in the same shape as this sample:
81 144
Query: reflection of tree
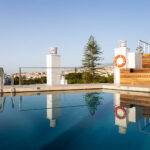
93 100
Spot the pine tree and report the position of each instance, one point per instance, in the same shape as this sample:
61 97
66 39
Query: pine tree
92 57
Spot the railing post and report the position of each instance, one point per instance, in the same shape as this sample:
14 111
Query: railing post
12 80
20 103
20 78
2 78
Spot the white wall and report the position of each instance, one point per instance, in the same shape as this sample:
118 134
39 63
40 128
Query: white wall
134 60
135 113
54 72
120 51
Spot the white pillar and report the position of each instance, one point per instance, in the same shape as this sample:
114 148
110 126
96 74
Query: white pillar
53 67
122 50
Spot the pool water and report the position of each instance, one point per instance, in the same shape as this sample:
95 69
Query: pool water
74 121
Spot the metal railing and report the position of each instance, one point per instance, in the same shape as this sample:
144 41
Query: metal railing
62 71
38 75
144 45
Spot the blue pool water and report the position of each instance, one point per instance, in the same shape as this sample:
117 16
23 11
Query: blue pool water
72 122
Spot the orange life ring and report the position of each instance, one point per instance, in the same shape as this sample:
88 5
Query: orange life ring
123 110
122 64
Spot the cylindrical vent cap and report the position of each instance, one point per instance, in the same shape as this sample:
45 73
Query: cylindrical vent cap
53 50
122 43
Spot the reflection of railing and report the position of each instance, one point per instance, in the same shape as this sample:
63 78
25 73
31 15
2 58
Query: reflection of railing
146 125
73 75
70 106
2 103
3 99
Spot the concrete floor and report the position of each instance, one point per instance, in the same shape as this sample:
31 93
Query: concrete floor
44 87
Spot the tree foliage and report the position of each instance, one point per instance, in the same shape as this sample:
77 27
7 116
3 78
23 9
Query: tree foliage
91 57
139 49
41 80
93 100
85 77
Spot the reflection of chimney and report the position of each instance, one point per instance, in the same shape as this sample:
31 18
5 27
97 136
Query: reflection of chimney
117 99
122 123
53 109
122 43
53 123
122 130
133 114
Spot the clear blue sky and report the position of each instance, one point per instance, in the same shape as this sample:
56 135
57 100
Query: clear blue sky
29 27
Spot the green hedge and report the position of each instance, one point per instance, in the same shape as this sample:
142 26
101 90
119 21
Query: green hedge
72 78
78 78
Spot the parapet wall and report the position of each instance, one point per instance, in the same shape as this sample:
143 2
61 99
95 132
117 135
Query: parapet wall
146 60
137 76
137 101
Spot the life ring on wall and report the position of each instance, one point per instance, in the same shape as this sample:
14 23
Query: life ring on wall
119 61
123 115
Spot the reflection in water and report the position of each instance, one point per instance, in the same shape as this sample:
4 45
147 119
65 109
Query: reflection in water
64 121
20 103
93 100
131 109
53 105
53 108
53 102
2 103
128 109
13 101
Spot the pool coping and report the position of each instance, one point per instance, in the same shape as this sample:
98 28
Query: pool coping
70 87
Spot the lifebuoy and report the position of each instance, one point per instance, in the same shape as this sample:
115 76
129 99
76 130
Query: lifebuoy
120 116
119 61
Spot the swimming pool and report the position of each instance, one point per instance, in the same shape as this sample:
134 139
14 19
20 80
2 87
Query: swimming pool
72 121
